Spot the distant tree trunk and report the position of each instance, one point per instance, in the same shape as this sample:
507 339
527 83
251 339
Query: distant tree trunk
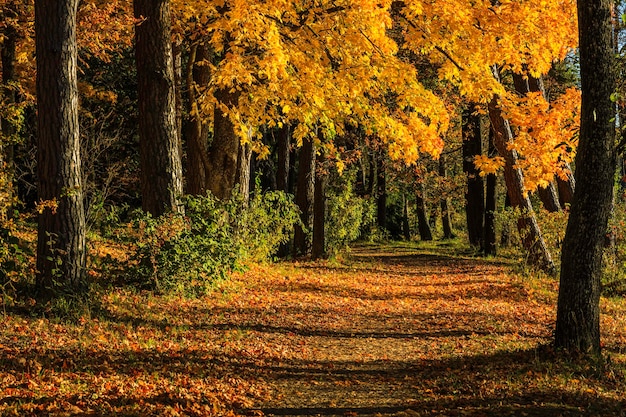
445 206
578 312
161 166
489 245
304 198
406 229
475 193
319 209
7 168
61 252
523 85
422 220
178 91
549 197
242 176
381 190
566 186
538 253
224 150
196 128
283 151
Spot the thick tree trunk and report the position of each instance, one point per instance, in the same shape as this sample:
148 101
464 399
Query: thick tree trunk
532 239
224 150
283 151
161 166
242 177
319 209
578 312
305 193
491 198
61 250
422 220
475 193
549 197
445 205
197 130
7 167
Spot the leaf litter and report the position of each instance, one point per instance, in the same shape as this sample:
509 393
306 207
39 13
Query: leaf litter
387 331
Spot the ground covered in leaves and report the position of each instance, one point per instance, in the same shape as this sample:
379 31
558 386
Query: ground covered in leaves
389 330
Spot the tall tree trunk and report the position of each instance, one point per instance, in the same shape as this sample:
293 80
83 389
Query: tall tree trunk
566 186
491 199
523 85
161 166
578 312
538 253
305 193
177 61
381 190
7 167
197 130
406 228
242 177
224 150
319 209
61 252
283 151
475 193
444 203
422 220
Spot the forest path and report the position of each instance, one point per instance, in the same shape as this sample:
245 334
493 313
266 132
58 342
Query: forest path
395 330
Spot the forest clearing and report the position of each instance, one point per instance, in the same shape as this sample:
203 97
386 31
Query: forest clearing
403 329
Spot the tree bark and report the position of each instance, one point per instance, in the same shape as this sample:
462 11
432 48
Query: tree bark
523 85
381 190
283 151
532 239
197 130
422 220
242 177
161 166
491 198
445 205
566 186
475 193
319 209
61 252
224 149
7 167
578 312
305 193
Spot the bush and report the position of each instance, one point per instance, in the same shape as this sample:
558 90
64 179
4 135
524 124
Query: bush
191 252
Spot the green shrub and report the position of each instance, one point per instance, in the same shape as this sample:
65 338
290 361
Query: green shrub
191 252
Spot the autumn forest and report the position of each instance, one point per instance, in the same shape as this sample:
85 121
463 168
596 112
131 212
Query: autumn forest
312 207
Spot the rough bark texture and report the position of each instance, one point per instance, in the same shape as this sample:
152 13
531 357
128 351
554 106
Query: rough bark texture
319 209
161 167
446 222
224 149
197 131
422 220
578 313
475 193
538 253
304 198
61 232
242 176
491 198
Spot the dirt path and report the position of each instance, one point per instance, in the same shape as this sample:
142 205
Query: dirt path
397 332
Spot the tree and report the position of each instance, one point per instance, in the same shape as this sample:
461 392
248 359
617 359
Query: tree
475 193
61 224
305 195
161 167
578 312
